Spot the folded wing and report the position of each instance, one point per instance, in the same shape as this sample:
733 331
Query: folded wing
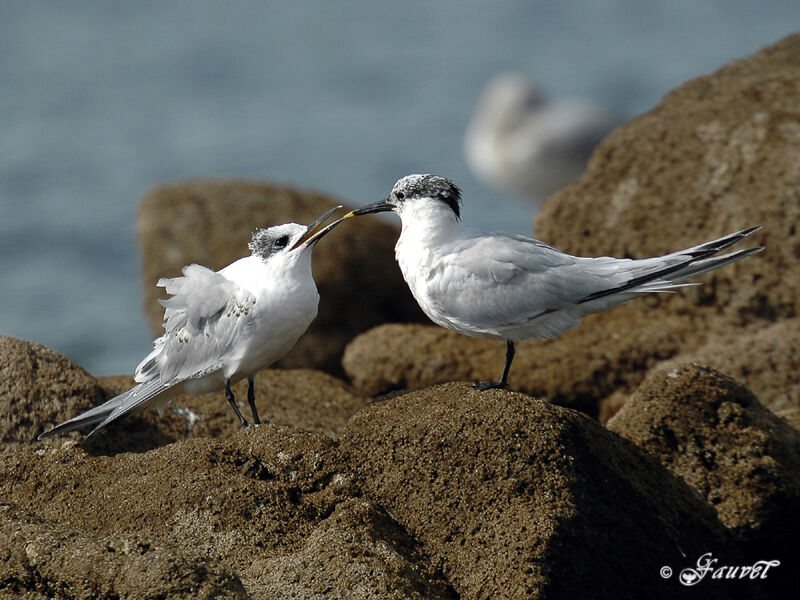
502 282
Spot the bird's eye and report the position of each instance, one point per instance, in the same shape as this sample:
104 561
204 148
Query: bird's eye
399 195
282 241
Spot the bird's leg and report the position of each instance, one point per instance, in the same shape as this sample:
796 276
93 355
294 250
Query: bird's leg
251 398
232 400
494 385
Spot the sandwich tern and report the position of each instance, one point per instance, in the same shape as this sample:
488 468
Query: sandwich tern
223 326
519 141
511 287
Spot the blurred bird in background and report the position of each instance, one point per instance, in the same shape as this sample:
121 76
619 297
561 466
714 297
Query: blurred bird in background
518 141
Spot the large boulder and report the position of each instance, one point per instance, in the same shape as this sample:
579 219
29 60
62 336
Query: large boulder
519 498
744 460
210 223
39 387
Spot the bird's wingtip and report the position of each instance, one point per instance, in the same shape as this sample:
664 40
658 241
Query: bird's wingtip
749 230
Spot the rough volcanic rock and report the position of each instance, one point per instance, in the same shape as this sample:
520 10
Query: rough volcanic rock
575 369
39 386
712 432
519 498
227 212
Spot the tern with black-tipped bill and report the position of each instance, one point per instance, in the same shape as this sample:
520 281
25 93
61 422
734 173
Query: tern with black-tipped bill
224 326
514 288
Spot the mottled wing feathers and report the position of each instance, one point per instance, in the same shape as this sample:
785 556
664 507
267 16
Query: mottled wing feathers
205 314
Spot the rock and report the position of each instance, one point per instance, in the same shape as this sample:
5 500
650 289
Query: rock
39 386
519 498
574 370
46 561
792 417
256 494
357 552
720 153
767 361
227 212
305 399
713 433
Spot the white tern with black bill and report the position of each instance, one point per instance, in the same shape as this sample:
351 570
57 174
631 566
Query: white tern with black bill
511 287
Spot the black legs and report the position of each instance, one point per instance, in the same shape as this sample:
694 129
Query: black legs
232 400
494 385
251 399
509 357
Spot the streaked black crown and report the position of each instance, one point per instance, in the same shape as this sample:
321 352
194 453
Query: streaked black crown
429 186
271 241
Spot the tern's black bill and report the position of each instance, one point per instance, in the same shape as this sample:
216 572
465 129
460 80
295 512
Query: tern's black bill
375 207
313 232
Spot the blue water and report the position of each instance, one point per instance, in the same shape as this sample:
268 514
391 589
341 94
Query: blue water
99 101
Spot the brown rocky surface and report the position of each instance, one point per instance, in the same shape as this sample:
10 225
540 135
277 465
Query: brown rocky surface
519 498
227 212
713 433
257 493
303 398
767 361
39 561
573 370
357 552
441 493
39 386
792 417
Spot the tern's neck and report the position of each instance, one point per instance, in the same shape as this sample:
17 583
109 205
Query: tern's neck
286 271
428 223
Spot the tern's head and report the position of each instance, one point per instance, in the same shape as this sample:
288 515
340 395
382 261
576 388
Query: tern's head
290 239
414 195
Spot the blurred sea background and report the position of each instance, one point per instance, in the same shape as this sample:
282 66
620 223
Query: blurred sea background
100 101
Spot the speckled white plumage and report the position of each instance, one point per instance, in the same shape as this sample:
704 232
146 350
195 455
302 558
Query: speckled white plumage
224 326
